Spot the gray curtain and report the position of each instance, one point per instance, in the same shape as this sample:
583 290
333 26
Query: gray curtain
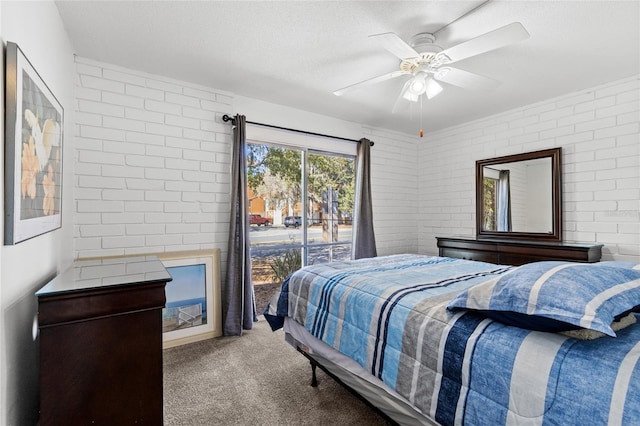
364 240
238 304
504 202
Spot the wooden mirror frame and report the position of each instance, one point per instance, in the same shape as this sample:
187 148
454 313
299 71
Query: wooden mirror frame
556 192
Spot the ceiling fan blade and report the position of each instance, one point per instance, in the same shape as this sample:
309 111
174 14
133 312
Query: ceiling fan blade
466 79
492 40
373 80
396 45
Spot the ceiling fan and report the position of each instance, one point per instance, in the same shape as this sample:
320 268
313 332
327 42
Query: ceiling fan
427 63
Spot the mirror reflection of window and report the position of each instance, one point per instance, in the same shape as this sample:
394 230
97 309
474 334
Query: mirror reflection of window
489 185
504 202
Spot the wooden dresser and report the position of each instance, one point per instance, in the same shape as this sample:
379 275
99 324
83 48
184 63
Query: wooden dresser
100 327
509 252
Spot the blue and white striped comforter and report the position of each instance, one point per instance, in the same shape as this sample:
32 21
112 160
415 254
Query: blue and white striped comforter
389 315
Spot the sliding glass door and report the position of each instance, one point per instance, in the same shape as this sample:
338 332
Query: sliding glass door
330 197
300 207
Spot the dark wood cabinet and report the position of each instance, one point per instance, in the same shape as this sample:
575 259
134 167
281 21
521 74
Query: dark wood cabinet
516 252
100 324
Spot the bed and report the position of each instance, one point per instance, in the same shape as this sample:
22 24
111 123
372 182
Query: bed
436 340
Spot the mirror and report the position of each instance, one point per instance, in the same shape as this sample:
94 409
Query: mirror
519 197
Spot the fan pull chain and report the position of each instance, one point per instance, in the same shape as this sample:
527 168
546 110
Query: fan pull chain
421 133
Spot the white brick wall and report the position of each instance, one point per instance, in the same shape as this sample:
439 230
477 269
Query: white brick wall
394 167
598 130
152 167
153 162
152 157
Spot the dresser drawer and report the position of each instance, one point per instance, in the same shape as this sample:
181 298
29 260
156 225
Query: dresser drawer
470 255
516 252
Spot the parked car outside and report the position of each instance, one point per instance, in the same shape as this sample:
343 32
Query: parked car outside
256 219
294 221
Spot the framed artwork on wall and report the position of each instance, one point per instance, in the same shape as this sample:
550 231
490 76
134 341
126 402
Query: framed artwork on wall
192 311
33 152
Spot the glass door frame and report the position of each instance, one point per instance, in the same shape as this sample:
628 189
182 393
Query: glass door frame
304 245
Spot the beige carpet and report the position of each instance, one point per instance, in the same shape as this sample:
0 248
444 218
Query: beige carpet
256 379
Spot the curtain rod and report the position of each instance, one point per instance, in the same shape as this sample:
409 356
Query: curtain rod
226 118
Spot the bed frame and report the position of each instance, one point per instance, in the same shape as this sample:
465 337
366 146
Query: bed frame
394 409
314 383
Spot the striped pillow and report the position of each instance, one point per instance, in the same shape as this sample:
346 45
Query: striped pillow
556 296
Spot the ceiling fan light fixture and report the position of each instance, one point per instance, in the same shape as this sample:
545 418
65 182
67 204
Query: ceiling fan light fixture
432 88
421 85
414 88
418 84
410 96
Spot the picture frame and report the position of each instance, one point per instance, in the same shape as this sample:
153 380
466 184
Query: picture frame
34 121
193 309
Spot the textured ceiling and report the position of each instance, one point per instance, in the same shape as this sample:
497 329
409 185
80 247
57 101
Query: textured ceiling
298 53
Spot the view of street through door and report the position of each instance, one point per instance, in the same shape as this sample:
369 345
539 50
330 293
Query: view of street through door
285 233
